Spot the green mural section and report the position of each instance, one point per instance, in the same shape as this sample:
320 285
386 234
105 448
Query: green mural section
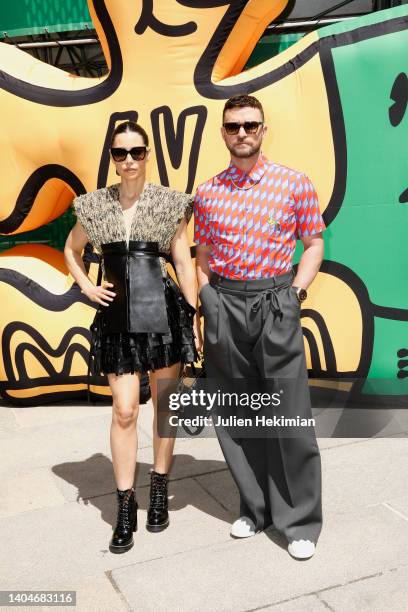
53 234
389 338
271 45
369 234
373 18
33 16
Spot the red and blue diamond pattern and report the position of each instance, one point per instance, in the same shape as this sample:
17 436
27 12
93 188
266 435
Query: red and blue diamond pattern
252 220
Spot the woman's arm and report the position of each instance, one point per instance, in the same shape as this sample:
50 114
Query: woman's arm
180 251
76 241
203 252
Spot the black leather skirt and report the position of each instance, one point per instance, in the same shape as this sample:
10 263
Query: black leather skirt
124 352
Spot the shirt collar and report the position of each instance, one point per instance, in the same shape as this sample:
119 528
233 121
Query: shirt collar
255 174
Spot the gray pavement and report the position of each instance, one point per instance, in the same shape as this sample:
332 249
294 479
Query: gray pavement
58 506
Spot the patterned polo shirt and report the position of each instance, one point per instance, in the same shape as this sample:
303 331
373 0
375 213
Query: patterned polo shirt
252 221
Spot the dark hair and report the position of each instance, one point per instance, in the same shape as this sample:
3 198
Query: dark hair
242 101
129 126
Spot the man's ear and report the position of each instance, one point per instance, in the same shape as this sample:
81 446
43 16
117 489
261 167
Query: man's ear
222 130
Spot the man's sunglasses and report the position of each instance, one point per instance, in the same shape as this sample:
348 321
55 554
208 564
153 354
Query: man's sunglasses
138 153
250 127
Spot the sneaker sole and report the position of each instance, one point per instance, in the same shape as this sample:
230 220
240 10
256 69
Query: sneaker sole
301 558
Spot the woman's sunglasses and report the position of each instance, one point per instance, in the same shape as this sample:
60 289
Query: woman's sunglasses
250 127
137 153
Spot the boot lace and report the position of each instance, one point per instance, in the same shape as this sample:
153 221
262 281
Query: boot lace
158 495
124 511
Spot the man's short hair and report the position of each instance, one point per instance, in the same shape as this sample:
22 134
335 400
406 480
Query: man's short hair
242 101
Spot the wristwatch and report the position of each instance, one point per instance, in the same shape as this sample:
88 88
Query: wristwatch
301 294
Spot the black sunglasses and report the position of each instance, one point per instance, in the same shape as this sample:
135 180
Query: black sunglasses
250 127
119 154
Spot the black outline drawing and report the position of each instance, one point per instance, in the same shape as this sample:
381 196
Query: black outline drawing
175 140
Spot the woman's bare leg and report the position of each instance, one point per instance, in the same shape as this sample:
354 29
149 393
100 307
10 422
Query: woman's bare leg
123 432
162 447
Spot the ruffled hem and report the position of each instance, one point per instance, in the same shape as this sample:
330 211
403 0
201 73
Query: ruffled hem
140 352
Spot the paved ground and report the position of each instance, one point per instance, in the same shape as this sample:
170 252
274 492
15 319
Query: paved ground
57 508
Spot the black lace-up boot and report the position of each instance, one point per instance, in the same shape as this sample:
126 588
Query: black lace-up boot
122 539
157 515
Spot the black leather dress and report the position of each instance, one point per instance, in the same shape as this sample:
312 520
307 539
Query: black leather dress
149 323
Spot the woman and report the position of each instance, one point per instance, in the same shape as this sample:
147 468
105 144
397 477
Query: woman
146 323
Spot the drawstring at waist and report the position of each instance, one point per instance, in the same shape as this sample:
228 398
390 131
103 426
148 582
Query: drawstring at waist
262 290
274 303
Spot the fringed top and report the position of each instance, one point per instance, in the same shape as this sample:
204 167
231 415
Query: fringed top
156 218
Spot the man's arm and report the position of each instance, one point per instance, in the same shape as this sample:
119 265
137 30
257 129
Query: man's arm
202 238
310 261
309 228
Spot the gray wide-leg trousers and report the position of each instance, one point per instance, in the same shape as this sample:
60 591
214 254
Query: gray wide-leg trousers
252 330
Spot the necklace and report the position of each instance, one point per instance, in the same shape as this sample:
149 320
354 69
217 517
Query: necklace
244 188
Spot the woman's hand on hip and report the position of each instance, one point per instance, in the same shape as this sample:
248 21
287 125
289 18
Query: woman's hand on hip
100 293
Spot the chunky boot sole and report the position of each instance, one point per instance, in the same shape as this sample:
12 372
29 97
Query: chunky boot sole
124 547
157 528
120 549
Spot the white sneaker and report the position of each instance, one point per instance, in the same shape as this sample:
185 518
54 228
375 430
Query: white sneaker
243 527
301 549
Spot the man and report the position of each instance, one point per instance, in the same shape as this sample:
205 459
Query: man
247 219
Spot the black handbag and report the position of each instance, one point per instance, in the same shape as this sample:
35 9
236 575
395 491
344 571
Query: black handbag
190 380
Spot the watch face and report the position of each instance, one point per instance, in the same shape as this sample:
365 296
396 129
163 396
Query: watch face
302 295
